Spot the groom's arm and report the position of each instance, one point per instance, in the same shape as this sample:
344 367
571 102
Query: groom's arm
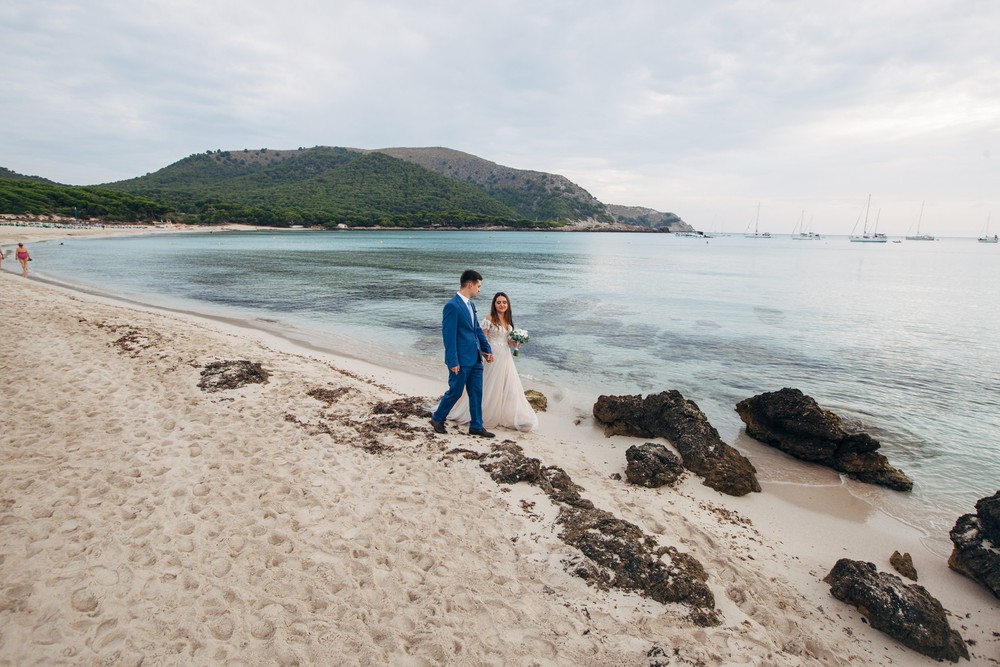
484 343
449 334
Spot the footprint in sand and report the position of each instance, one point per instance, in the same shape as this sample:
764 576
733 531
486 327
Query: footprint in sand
103 576
261 628
221 628
83 601
221 566
106 635
236 543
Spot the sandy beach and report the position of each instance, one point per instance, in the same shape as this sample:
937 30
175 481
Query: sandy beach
300 521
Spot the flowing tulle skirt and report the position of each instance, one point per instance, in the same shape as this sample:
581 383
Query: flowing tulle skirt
504 403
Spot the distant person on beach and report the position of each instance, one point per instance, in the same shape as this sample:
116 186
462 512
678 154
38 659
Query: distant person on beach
1 257
504 403
465 347
24 257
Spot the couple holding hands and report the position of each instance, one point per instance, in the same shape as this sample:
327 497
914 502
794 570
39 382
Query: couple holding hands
482 396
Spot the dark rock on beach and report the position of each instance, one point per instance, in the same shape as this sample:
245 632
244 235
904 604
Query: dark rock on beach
628 559
903 563
507 464
905 612
797 425
652 465
977 544
537 400
618 554
220 375
669 415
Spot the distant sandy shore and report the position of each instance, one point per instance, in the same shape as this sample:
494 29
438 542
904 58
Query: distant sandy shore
145 520
14 234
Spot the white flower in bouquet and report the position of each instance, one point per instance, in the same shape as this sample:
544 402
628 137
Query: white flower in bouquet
517 338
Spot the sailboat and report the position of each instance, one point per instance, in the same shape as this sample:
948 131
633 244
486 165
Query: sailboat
918 236
803 235
756 234
874 236
986 238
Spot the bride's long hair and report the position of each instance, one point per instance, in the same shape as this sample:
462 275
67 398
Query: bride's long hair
495 316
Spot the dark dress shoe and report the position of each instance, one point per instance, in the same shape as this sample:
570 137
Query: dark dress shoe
481 432
438 426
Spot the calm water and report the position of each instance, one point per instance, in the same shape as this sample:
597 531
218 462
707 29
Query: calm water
902 337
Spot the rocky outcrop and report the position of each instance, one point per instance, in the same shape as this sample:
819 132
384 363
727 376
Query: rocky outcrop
648 217
618 554
652 465
669 415
905 612
507 464
977 544
628 559
797 425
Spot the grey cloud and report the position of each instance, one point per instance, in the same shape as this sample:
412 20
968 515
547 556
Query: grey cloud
700 108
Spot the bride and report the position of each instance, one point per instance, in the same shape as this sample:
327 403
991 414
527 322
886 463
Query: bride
504 403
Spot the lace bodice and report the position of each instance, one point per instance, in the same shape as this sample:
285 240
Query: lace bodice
494 334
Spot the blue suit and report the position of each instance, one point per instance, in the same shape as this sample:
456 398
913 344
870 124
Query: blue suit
464 343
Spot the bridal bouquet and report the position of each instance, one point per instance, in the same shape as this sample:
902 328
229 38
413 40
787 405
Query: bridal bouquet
517 338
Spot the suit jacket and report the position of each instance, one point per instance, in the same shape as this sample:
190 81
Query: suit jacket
463 337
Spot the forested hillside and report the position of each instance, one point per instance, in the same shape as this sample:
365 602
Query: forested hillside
392 187
533 194
34 197
317 186
13 175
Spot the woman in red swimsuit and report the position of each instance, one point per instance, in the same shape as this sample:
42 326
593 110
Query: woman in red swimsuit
24 257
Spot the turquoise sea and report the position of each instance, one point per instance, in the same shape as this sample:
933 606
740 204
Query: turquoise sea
902 338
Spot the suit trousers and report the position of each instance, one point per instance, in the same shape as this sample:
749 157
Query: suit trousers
470 380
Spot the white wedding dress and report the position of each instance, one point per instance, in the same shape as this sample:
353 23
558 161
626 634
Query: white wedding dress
504 403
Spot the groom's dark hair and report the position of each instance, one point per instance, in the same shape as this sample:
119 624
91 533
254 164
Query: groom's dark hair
469 276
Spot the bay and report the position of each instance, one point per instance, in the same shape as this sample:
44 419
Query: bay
900 339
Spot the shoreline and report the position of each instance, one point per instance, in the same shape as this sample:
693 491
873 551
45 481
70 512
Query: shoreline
574 402
147 418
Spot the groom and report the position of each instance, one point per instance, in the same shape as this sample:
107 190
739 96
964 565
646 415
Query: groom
464 346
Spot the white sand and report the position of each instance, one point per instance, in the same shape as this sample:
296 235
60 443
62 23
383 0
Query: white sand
145 520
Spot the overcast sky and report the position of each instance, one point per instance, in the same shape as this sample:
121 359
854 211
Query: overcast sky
702 107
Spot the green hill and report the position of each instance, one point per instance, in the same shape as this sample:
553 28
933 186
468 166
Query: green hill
13 175
31 196
325 186
390 187
533 194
